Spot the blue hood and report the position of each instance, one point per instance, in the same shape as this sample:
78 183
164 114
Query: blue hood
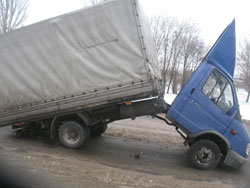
223 53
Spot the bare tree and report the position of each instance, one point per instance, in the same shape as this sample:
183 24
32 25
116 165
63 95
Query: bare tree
179 49
175 60
166 37
159 32
12 14
244 65
193 50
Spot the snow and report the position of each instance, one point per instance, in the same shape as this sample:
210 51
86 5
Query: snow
169 98
242 95
244 106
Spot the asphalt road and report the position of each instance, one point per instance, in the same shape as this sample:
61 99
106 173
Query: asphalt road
108 161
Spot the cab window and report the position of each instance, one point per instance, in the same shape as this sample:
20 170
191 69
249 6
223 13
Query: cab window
219 91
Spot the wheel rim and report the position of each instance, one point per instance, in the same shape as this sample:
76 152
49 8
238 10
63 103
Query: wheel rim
71 135
204 156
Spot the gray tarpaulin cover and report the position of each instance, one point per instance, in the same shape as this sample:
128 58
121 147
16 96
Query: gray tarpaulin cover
81 52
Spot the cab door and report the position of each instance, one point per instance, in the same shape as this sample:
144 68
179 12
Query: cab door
209 104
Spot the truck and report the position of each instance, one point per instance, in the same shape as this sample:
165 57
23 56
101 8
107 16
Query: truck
72 75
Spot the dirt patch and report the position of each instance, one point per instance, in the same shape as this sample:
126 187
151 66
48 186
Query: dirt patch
146 129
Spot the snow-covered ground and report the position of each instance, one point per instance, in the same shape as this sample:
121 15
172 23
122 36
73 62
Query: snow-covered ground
242 95
244 106
169 98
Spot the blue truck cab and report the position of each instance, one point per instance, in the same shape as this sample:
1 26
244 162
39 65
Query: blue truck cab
207 110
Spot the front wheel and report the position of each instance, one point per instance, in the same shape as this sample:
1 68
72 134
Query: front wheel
73 134
204 154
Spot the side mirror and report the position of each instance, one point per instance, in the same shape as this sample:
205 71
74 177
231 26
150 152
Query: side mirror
233 110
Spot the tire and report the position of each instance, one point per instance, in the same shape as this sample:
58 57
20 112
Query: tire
204 154
18 133
73 134
98 130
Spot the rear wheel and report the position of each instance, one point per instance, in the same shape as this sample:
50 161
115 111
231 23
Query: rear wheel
98 129
73 134
204 154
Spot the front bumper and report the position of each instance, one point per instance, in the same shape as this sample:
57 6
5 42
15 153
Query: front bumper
234 160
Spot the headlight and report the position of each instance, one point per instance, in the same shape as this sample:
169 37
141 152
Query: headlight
248 150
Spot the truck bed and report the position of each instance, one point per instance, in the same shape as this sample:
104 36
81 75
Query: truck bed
92 57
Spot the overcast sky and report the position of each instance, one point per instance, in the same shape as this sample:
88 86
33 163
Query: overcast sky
212 16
